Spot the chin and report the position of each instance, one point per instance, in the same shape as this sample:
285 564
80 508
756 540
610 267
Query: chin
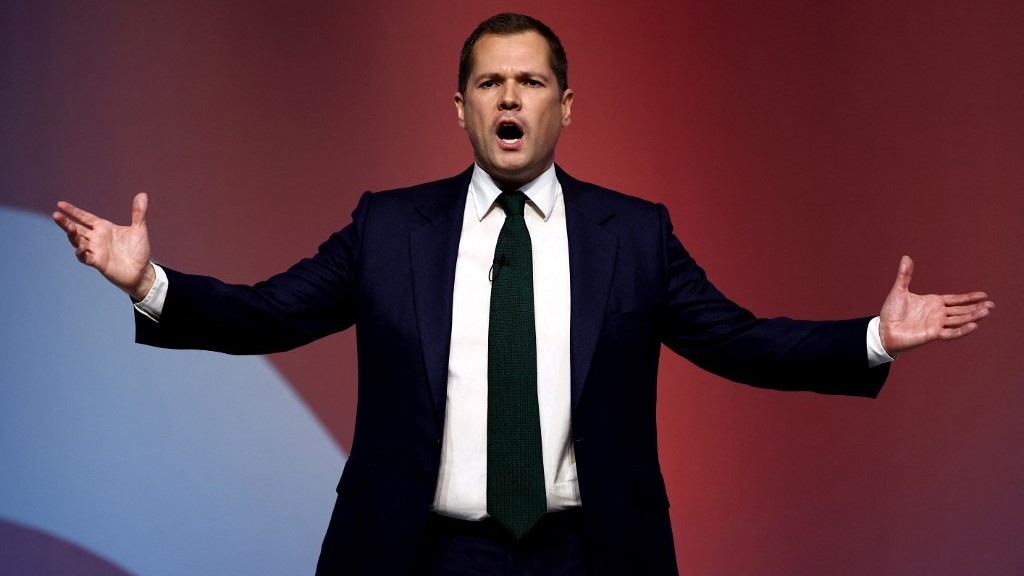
512 176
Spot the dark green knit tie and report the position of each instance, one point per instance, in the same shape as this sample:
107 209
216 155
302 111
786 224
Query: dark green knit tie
515 466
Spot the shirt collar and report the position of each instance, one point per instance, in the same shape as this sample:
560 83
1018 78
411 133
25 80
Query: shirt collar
541 192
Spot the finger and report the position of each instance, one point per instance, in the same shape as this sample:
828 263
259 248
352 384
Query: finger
82 216
140 205
904 273
68 227
74 237
962 319
969 309
61 220
960 332
962 299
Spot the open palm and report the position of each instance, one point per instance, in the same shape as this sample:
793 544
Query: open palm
119 253
909 320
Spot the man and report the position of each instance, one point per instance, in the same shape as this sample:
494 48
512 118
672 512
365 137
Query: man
424 273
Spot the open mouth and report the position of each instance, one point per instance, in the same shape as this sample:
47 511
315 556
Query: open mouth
509 132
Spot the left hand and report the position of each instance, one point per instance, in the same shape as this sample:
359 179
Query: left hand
910 320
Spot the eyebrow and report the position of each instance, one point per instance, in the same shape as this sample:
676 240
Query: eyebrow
518 75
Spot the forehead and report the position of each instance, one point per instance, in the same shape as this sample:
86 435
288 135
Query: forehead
522 52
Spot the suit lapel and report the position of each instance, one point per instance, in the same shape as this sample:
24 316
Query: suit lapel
592 251
433 248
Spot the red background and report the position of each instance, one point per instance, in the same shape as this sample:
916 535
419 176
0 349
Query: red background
801 149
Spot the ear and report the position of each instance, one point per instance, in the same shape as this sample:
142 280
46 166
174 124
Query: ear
567 107
460 104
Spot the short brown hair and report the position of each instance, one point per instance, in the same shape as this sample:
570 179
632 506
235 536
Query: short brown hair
508 24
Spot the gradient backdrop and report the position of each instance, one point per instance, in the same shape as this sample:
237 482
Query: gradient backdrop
801 147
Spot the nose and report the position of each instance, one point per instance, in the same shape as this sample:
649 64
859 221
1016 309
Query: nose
509 97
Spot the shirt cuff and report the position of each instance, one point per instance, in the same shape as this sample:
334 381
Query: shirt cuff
153 304
876 353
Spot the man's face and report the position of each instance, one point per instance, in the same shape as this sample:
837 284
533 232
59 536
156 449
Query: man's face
512 109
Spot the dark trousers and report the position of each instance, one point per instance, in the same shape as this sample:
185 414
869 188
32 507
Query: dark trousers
554 547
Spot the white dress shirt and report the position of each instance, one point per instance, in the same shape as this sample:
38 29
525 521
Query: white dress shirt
462 484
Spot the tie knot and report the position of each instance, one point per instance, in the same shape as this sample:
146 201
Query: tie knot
513 203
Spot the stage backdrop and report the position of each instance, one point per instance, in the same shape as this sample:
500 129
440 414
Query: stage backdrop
802 147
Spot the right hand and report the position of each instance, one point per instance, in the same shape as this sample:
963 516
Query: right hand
119 253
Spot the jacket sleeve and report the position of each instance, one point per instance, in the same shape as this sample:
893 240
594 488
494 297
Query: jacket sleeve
312 299
716 334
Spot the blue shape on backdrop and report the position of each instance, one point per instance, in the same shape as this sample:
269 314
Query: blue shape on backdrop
163 462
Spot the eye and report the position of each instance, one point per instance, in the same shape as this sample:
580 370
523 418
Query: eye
534 83
488 84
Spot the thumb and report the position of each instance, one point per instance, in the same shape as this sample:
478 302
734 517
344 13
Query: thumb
905 273
139 206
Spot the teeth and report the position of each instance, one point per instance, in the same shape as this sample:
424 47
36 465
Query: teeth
510 140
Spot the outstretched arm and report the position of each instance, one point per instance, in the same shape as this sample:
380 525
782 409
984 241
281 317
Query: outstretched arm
910 320
119 253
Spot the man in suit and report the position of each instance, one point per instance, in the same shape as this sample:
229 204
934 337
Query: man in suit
414 272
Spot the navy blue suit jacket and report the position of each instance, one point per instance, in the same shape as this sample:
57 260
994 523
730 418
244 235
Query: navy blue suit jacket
634 288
